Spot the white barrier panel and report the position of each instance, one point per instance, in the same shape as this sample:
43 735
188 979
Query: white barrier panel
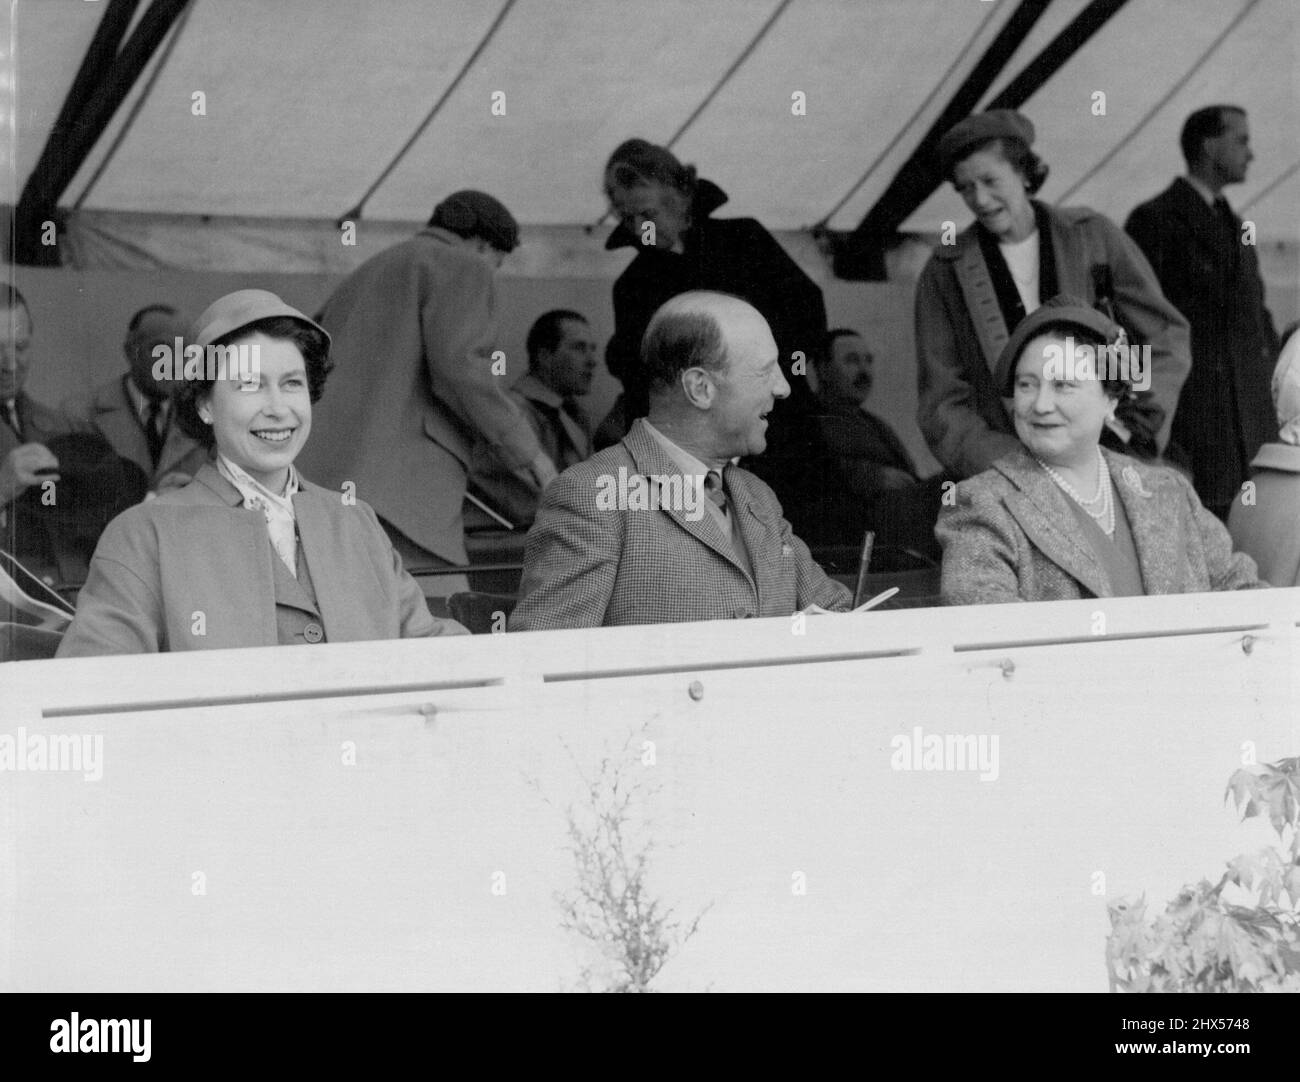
393 815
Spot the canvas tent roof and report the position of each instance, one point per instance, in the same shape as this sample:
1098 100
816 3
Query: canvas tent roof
308 101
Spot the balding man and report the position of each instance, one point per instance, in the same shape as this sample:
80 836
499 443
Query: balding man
133 412
663 526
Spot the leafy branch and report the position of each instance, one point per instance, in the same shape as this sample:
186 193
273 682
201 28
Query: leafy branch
1202 943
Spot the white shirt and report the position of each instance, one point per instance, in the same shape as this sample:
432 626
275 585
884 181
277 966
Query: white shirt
1022 261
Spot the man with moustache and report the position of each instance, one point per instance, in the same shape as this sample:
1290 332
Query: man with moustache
874 467
596 560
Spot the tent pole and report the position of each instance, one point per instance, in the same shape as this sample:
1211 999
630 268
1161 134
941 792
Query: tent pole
66 150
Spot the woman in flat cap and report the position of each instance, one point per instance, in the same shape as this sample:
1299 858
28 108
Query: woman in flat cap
249 553
976 289
1058 517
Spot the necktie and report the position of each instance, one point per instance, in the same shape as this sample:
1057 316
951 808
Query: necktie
11 417
1228 226
154 437
714 490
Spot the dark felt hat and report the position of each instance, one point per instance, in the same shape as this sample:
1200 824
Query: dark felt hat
979 128
471 213
1063 311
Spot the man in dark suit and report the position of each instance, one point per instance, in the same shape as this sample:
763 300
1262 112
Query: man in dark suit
25 424
663 526
561 365
1208 268
874 469
133 412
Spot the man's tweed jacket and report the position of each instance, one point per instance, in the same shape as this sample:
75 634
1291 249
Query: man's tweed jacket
1012 537
586 566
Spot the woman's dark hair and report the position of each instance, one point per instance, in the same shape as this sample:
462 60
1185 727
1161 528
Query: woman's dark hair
638 161
311 343
1018 155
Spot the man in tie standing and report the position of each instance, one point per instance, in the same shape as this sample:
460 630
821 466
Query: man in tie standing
1208 269
133 412
663 526
25 424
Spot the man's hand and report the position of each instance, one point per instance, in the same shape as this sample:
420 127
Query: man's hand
539 473
26 465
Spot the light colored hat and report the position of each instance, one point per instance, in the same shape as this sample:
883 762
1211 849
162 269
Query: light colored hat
1286 392
239 309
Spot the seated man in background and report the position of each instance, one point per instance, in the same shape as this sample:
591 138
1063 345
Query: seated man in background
561 366
873 464
133 412
25 424
663 526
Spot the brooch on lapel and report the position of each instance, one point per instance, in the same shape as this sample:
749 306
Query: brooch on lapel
1134 481
786 550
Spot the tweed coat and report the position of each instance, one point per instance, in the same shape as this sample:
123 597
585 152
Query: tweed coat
109 412
413 388
1225 413
960 332
1011 536
588 566
198 550
1268 527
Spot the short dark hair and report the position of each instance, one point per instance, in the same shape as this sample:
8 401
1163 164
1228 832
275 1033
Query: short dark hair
311 343
149 309
828 343
547 331
675 341
1018 155
639 161
1206 123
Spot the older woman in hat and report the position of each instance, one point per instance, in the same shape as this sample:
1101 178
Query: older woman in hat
1059 517
1265 516
248 553
974 292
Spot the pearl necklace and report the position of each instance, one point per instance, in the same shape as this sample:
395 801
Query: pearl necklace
1104 501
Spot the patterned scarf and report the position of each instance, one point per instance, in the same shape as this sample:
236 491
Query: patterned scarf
281 523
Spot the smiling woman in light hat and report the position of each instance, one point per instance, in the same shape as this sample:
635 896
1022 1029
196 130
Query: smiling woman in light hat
249 553
1058 517
979 285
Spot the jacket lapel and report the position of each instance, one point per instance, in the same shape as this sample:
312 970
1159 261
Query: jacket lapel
1040 508
756 526
651 461
1153 516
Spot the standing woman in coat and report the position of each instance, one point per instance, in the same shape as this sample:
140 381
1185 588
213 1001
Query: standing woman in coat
248 553
665 213
973 293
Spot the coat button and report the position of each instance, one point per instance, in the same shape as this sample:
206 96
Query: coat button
313 633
